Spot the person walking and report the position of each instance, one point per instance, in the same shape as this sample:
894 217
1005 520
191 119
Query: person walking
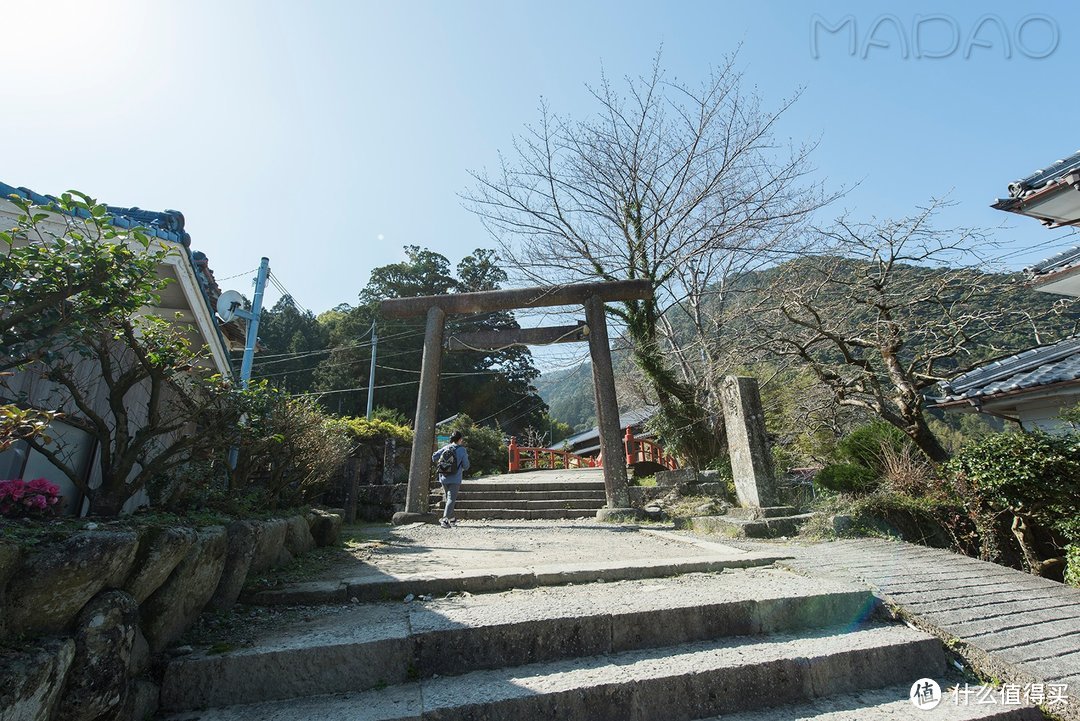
451 461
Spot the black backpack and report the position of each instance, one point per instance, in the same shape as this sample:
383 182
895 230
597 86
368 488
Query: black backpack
447 464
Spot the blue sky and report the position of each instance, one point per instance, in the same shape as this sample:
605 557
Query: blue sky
326 135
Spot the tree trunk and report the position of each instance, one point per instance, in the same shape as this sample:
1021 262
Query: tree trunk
691 437
107 501
924 438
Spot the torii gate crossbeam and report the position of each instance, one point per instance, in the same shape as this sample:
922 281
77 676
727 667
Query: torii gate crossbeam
591 295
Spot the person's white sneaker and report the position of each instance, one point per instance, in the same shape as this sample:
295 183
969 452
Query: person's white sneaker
444 523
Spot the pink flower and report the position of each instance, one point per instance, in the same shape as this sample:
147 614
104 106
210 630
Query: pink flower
21 498
43 486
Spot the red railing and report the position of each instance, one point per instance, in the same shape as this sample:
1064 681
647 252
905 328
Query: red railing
642 450
638 450
523 458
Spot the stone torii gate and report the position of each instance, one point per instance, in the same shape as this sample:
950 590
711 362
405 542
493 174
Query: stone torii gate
436 307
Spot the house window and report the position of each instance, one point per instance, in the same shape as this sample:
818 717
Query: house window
76 448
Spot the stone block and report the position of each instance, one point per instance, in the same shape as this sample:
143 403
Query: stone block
160 550
748 443
709 476
56 582
33 681
177 603
142 701
98 680
678 477
325 527
242 537
298 538
715 490
270 541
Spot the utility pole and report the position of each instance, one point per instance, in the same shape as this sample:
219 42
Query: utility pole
253 323
252 318
371 374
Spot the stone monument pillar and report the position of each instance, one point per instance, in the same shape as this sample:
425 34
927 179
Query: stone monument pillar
748 445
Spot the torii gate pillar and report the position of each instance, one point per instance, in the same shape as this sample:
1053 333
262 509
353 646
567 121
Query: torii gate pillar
417 494
607 406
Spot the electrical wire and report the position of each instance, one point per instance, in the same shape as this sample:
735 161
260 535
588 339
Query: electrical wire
350 390
230 277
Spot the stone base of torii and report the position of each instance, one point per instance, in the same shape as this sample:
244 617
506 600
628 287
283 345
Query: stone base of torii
437 307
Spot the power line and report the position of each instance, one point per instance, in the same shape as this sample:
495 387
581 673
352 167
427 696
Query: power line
230 277
349 390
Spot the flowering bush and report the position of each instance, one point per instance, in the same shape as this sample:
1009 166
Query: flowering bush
19 499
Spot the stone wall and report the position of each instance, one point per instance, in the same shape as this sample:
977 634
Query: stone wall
89 612
380 503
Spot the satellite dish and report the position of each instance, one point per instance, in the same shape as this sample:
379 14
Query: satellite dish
228 303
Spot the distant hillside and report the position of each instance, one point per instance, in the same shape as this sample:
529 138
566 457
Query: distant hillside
569 395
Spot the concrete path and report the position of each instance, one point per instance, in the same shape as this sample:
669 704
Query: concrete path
1009 625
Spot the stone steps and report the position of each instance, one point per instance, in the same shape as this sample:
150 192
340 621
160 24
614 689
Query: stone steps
525 514
888 704
669 641
379 586
534 500
469 493
688 681
531 487
485 504
334 650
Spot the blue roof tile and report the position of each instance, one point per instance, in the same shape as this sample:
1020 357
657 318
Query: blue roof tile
1042 366
166 224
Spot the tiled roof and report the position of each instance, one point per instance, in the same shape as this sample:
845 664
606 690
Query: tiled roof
166 224
1042 366
1040 185
1061 261
1045 175
630 418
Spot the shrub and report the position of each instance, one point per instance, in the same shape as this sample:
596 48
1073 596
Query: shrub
363 429
289 447
487 452
1030 474
1072 570
1035 477
867 445
25 499
907 470
846 478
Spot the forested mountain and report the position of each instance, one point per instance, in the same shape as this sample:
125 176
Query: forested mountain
569 392
569 395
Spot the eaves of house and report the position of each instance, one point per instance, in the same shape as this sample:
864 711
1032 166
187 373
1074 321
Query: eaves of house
190 297
1040 372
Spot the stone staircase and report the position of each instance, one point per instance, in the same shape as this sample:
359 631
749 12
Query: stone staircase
748 643
488 499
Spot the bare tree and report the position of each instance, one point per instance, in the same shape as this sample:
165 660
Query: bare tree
679 185
160 410
889 310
